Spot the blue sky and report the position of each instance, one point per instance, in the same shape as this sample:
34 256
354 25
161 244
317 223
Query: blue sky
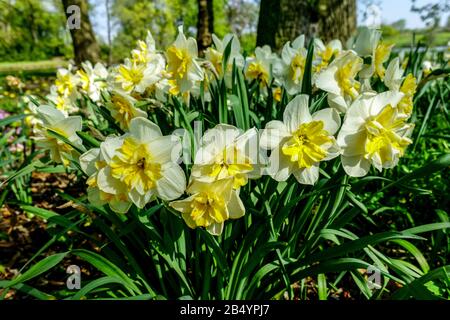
391 11
394 10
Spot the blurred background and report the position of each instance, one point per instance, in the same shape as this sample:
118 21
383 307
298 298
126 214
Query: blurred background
35 38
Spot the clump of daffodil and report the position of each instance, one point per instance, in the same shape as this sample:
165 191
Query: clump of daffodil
227 152
122 108
94 163
54 120
395 81
324 54
145 162
92 79
374 133
301 141
258 67
210 204
291 67
183 69
339 80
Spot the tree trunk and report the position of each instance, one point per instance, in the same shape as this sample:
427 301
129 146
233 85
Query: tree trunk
284 20
205 24
85 45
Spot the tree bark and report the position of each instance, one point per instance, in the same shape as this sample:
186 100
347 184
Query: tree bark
284 20
205 24
85 45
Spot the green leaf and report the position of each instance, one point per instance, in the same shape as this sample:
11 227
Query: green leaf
39 268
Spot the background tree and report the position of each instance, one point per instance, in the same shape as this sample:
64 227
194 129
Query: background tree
32 30
85 45
283 20
205 24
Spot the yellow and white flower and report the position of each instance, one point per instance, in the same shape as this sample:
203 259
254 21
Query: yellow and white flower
66 83
123 110
324 54
137 77
374 133
92 162
225 151
338 79
210 204
92 79
55 120
66 104
259 66
291 67
145 161
301 141
182 66
215 55
395 81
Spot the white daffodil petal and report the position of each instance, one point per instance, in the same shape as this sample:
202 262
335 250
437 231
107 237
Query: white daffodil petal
272 135
355 166
236 208
144 130
330 118
172 183
308 176
297 112
88 159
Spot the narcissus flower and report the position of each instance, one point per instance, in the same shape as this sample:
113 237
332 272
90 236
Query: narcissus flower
123 110
92 79
54 120
66 104
66 82
227 152
324 54
215 55
145 161
137 77
338 79
259 66
301 141
291 67
94 161
395 81
374 133
210 205
182 66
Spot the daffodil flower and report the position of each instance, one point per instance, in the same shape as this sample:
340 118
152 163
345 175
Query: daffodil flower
324 54
215 55
374 133
92 79
136 77
66 104
145 161
66 82
210 204
182 66
92 162
395 81
123 110
55 120
291 67
228 152
259 66
301 141
338 79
